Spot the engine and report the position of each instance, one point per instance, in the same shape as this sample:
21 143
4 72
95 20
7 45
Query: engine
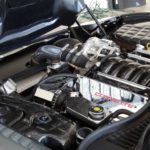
77 86
91 85
88 100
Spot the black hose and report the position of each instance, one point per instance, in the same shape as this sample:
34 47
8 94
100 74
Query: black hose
52 53
57 76
143 142
103 133
46 52
51 78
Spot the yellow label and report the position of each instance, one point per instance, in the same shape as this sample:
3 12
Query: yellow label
148 47
72 65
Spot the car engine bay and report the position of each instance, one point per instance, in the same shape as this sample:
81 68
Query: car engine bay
73 85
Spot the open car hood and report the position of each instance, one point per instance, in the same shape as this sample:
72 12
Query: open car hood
22 21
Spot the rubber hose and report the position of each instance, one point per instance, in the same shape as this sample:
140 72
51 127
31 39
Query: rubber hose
49 52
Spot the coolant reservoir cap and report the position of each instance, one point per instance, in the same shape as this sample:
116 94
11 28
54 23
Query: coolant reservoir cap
96 112
97 109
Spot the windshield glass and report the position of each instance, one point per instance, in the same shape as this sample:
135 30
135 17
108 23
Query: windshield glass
107 8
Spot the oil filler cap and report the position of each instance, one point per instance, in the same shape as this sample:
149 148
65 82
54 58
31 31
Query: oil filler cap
96 112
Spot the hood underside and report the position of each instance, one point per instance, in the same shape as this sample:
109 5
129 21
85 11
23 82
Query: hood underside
22 21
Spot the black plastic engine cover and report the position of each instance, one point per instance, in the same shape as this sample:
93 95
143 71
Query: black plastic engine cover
38 123
133 34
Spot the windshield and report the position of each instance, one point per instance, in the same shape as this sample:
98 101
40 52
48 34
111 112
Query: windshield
107 8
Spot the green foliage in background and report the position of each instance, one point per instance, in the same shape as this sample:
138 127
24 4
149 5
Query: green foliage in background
96 9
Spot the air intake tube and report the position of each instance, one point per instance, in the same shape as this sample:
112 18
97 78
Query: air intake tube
46 52
54 53
80 55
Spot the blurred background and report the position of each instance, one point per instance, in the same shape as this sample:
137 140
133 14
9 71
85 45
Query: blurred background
104 8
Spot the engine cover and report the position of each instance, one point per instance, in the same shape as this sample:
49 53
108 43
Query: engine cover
100 101
90 100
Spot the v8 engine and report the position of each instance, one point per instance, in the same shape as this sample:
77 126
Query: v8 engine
98 55
83 87
90 85
102 84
